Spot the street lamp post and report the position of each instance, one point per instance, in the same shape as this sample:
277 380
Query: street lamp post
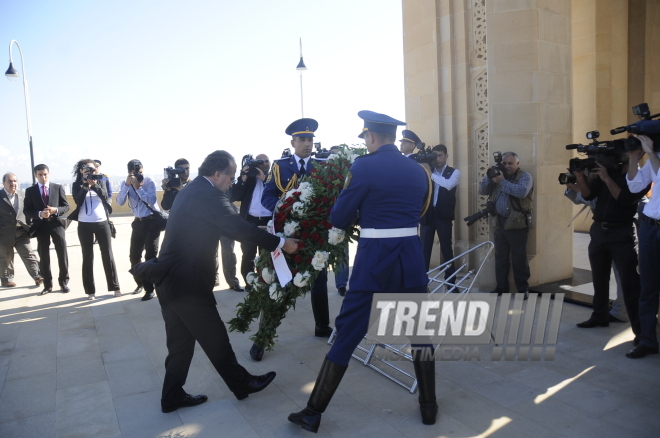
12 75
301 67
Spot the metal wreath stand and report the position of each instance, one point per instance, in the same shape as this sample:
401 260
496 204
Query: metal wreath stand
437 282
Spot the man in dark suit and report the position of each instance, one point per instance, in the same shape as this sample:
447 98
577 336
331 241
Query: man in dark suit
45 203
439 218
248 191
286 174
14 229
184 275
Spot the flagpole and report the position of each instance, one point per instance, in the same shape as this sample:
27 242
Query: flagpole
301 67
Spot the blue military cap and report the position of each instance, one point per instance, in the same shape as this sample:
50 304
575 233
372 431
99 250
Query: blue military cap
376 122
410 136
302 128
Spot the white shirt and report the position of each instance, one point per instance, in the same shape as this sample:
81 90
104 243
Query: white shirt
644 177
92 210
297 159
12 198
256 209
441 181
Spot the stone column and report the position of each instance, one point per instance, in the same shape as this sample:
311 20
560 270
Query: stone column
529 84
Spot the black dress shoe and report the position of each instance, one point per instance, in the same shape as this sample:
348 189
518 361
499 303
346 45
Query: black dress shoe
615 319
322 331
65 289
256 352
237 287
591 322
526 294
342 291
256 384
137 290
46 290
187 401
147 296
641 351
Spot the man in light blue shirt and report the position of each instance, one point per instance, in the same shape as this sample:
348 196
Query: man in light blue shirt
140 192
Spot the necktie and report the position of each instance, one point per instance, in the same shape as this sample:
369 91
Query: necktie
302 167
44 196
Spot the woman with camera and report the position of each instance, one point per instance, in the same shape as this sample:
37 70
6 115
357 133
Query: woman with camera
93 215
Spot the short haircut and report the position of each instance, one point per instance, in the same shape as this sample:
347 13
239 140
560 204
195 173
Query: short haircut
218 161
6 175
440 148
181 161
384 138
511 154
336 147
39 167
129 165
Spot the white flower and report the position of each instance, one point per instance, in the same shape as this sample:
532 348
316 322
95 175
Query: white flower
335 236
268 275
298 209
256 260
319 260
300 280
273 289
252 278
290 228
334 156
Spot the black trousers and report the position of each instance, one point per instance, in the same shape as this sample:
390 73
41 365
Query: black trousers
229 261
511 243
616 245
87 231
249 250
145 237
185 323
52 229
443 228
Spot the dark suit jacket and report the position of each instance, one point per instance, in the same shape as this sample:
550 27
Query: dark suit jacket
80 193
34 204
280 176
242 192
185 268
10 217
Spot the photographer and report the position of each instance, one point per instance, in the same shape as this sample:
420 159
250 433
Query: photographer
638 180
511 189
612 239
248 191
618 311
439 217
140 191
93 215
171 190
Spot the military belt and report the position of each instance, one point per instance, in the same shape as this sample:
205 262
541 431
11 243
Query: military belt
384 233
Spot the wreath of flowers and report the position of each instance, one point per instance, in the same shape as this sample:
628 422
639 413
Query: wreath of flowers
301 213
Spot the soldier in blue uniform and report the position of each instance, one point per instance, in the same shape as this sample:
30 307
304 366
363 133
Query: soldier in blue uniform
389 257
408 142
285 175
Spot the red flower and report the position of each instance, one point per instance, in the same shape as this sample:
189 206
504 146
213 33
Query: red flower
297 259
313 222
315 236
304 235
304 223
301 245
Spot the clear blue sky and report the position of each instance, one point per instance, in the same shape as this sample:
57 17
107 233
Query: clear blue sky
159 80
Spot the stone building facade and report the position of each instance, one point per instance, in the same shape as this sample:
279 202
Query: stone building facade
530 76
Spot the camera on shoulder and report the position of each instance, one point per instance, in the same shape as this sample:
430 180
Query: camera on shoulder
425 154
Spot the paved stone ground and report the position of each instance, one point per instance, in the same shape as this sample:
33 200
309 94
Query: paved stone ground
73 368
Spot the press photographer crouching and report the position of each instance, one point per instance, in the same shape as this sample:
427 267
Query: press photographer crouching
511 190
248 191
176 178
93 215
612 233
